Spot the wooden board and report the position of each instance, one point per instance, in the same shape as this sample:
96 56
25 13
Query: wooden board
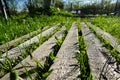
65 66
39 54
99 61
15 52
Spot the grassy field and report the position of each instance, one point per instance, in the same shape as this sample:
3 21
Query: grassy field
22 25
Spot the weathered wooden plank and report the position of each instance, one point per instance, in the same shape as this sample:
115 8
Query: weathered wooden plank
99 58
15 52
4 47
65 66
39 54
115 43
7 45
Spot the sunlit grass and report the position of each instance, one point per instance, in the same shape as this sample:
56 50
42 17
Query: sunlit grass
17 27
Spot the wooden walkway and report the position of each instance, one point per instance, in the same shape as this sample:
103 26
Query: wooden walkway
65 66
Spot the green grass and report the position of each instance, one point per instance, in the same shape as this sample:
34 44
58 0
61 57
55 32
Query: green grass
108 24
112 26
110 49
85 72
43 70
19 26
106 43
82 58
9 63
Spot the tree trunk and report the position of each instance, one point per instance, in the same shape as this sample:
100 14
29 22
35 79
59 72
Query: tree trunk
102 6
116 7
47 4
3 9
53 2
7 8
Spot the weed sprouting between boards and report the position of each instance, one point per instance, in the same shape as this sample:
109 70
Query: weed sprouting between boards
40 71
23 38
106 43
43 71
16 61
110 49
14 75
109 24
18 27
7 65
83 60
20 40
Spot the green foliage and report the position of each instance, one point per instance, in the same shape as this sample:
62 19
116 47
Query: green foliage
43 71
45 75
6 65
115 54
21 26
0 53
111 50
14 75
83 61
61 12
9 63
59 41
51 56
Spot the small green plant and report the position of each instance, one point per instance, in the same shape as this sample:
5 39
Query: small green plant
43 71
59 41
20 26
0 53
6 65
14 75
83 60
9 63
106 43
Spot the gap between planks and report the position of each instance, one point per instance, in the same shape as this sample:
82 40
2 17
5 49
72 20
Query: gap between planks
15 52
99 65
39 54
9 44
115 43
65 66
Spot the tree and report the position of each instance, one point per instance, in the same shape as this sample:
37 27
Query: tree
7 7
53 2
117 7
34 5
59 4
13 6
47 4
30 6
3 9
